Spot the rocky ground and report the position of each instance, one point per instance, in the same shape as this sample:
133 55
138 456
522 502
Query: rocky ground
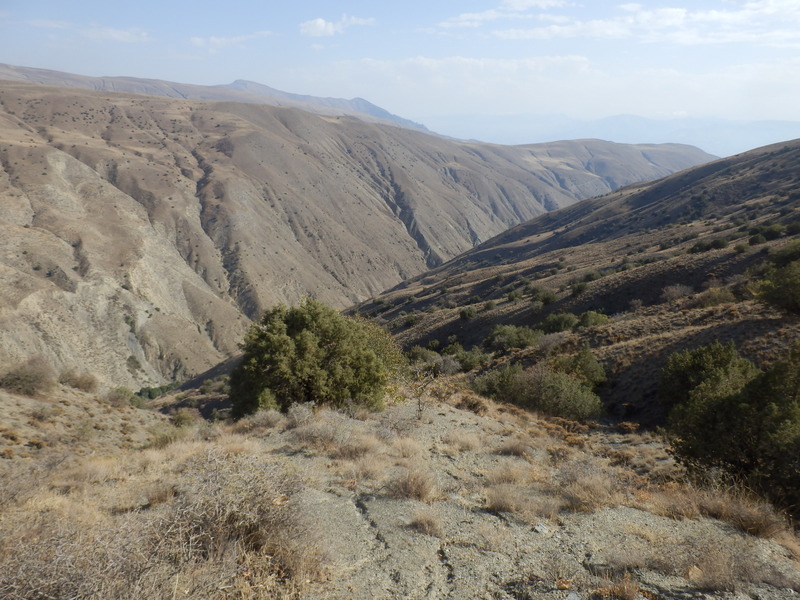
451 496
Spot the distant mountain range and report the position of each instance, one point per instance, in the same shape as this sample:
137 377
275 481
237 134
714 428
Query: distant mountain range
721 137
238 91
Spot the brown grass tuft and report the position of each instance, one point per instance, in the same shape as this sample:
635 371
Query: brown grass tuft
462 440
416 482
425 521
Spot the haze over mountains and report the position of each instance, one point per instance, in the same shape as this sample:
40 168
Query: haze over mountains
723 137
141 233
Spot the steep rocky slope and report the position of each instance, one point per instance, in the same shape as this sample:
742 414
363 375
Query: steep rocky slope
140 234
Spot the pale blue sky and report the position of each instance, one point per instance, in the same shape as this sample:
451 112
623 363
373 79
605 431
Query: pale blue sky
428 61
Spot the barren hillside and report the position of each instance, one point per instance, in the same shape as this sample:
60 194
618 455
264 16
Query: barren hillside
140 233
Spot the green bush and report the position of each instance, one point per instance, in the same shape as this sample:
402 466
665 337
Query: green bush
472 359
781 287
687 369
582 366
789 253
468 313
542 390
498 383
312 353
745 422
715 296
592 318
506 337
555 322
547 297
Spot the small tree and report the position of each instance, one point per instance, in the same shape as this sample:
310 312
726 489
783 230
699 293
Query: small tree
312 353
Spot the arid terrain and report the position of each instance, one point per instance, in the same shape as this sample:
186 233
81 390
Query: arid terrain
141 234
461 498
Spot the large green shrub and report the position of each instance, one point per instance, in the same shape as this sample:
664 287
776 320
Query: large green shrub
312 353
555 322
582 366
739 419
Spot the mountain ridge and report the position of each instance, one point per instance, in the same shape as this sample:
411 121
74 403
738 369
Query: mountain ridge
237 91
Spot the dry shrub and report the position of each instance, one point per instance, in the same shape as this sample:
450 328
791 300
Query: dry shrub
514 473
416 482
369 467
425 521
32 377
356 447
674 292
299 414
407 447
462 440
625 588
166 434
259 421
505 497
86 382
119 397
517 446
585 486
472 402
744 511
320 435
229 512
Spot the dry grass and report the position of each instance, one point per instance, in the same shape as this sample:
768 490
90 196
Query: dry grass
517 446
462 440
513 472
625 588
744 511
407 447
356 447
425 521
504 497
230 510
585 486
416 482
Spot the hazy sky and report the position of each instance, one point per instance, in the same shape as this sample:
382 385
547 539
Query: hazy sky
424 60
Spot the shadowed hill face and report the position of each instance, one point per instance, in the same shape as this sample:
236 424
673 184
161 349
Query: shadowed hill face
141 234
675 263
